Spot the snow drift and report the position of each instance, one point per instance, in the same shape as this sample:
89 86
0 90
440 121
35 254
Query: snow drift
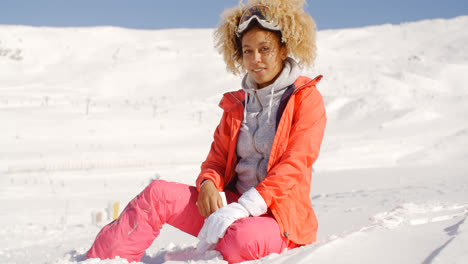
91 115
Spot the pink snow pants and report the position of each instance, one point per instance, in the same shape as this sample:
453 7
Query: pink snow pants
165 202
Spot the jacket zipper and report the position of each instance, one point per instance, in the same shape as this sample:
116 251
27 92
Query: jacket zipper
253 138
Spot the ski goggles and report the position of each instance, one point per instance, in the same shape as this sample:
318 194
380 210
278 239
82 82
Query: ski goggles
262 14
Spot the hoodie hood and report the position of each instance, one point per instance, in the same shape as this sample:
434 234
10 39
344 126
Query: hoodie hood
273 92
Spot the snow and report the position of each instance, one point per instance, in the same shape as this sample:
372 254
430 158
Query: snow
89 116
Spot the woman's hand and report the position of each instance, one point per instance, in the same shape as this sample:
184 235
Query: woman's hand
209 199
217 223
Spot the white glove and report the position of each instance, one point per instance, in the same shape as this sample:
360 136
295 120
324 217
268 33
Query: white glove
216 224
250 203
253 202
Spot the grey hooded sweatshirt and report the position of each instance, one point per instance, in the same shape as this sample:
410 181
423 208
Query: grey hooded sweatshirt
259 125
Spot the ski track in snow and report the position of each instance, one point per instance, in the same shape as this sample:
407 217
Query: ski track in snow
87 125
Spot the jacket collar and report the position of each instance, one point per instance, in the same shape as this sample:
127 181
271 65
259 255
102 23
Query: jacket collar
232 100
303 82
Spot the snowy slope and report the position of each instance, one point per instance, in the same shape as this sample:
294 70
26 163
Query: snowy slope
90 115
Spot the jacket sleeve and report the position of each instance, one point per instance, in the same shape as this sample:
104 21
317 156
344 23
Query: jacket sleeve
305 138
214 166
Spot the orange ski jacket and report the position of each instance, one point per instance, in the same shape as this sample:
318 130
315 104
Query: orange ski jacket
296 146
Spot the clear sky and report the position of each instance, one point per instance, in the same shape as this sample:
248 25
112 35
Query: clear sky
155 14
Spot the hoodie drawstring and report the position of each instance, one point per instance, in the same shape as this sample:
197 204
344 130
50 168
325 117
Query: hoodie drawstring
271 103
245 106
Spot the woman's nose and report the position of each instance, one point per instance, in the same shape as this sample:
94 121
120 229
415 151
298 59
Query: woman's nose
257 56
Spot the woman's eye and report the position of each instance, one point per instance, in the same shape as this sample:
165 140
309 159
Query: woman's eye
246 51
264 49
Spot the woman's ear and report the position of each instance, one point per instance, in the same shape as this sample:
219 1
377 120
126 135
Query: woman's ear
283 52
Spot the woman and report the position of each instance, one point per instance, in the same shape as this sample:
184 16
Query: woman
262 154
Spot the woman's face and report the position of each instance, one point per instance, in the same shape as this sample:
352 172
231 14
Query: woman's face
262 55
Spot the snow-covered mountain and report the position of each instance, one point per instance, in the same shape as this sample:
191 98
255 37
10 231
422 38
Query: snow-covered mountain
90 115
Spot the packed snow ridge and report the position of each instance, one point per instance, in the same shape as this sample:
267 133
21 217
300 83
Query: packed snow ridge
89 116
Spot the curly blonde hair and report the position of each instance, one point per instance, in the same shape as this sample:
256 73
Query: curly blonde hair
298 32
